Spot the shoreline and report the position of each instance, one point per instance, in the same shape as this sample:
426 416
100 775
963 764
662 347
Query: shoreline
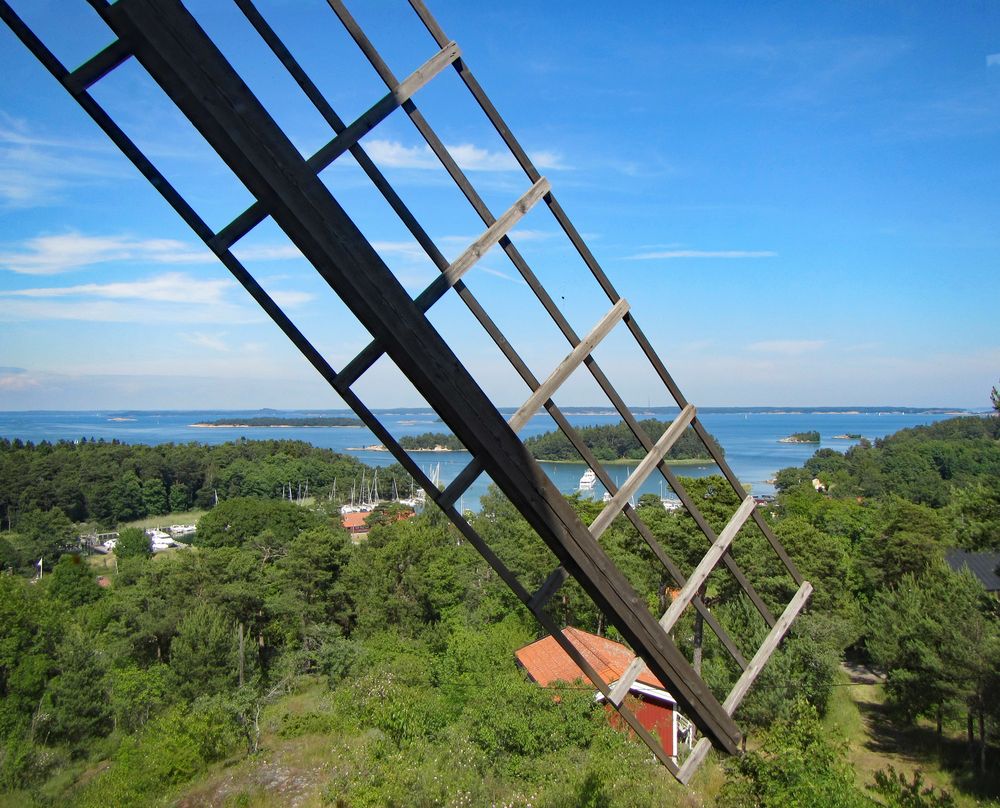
275 426
690 461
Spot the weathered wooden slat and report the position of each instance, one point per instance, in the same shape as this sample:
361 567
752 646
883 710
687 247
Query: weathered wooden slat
495 232
382 108
541 394
688 592
652 459
568 365
97 67
347 137
367 357
743 684
186 64
588 257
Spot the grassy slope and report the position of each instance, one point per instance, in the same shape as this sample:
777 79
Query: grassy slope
858 715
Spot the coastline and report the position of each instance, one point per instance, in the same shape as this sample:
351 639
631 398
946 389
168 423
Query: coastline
275 426
689 461
629 461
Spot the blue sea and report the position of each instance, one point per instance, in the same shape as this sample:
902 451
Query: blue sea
749 436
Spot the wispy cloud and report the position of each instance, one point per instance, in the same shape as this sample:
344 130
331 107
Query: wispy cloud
36 169
66 252
267 252
393 154
17 382
171 287
993 60
787 347
497 273
173 296
214 342
672 254
52 254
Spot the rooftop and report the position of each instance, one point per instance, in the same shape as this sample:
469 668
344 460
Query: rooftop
546 662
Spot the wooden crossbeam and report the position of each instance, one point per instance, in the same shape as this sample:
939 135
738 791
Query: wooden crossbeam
97 67
748 676
348 137
450 276
543 392
187 65
176 53
688 592
652 459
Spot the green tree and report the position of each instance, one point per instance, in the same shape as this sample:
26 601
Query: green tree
154 496
236 521
126 498
137 694
795 765
43 534
203 655
133 543
180 497
75 704
73 582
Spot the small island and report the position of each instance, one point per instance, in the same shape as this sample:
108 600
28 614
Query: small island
250 423
431 442
801 437
849 436
616 444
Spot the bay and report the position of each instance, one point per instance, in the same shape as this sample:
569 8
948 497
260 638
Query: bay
750 436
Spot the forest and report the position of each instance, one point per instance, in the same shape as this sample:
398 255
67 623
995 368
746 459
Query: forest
275 661
615 442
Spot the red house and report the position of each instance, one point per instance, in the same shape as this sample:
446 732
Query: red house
545 662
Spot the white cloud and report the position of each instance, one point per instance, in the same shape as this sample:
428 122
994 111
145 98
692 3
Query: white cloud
993 60
49 255
671 254
35 170
117 311
393 154
18 380
214 342
171 287
267 252
408 250
289 298
786 347
52 254
497 273
172 295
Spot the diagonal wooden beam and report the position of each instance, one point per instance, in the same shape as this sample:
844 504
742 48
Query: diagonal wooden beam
753 670
688 592
652 459
348 137
543 393
453 274
181 58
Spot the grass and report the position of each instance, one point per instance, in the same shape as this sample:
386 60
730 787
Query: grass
858 715
182 518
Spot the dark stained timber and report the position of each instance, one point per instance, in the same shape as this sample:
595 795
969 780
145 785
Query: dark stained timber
167 41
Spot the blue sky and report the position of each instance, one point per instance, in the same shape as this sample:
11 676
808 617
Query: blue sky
798 200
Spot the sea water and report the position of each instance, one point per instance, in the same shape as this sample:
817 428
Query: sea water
751 437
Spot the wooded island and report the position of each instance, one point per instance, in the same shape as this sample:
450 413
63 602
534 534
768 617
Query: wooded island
265 421
615 443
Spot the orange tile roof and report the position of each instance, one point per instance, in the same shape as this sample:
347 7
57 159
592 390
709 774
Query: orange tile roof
546 662
355 519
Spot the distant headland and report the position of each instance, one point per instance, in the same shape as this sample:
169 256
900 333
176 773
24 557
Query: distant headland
265 422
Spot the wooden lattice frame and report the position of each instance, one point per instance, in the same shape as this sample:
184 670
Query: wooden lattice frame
167 41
